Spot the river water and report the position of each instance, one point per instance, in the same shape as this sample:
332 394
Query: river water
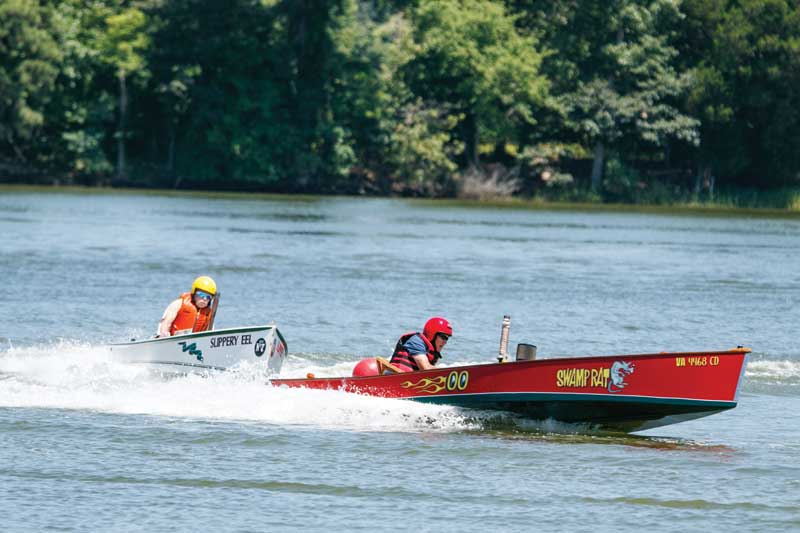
89 444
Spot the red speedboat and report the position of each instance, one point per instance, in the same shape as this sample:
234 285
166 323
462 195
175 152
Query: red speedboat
623 392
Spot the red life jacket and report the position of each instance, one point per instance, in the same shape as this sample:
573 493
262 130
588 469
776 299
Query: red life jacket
190 317
405 361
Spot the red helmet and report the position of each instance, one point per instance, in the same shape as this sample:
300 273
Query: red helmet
436 325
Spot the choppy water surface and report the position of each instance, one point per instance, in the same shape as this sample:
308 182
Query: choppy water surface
88 444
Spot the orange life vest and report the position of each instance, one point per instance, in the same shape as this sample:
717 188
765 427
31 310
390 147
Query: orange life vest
190 317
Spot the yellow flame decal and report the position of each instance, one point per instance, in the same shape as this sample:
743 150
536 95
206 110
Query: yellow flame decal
431 386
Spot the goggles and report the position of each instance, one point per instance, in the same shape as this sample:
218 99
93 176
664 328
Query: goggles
203 295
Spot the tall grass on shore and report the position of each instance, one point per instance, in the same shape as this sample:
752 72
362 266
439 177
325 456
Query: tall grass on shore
730 197
784 198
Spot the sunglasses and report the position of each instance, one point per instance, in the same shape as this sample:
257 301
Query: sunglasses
203 295
444 337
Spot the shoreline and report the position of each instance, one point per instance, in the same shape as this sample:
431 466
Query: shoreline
515 203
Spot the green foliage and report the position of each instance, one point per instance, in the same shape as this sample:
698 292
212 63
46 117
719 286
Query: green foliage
406 96
398 133
29 59
747 94
87 155
423 149
739 197
621 183
540 165
625 184
636 97
471 55
81 107
226 123
124 42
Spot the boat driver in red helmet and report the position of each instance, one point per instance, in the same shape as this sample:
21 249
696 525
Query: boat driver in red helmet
421 351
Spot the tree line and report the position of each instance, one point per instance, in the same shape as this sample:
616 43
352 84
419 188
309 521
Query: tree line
615 98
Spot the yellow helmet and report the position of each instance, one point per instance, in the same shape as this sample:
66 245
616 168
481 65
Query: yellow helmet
206 284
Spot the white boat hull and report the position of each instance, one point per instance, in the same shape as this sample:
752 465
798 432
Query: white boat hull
209 350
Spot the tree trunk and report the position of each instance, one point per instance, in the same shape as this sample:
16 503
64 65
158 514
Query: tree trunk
704 182
171 158
309 42
711 180
698 179
171 151
123 110
598 165
471 139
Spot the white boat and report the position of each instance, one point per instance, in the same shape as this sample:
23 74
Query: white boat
218 349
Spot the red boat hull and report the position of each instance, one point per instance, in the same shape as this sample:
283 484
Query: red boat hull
625 392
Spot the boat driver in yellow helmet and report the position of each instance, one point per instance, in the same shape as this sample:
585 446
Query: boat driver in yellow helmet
191 311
